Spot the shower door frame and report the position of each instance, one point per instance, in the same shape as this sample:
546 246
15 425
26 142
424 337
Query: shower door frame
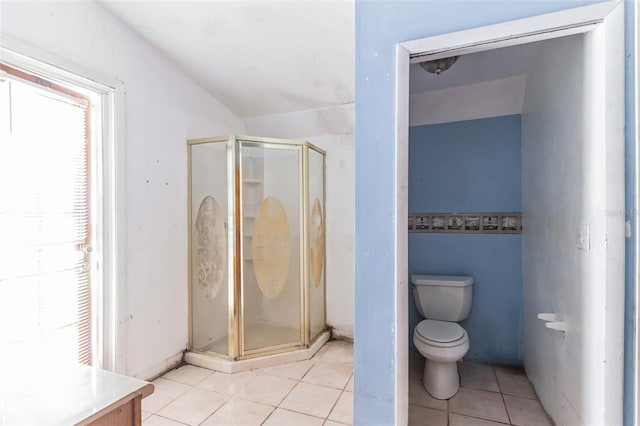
241 141
235 233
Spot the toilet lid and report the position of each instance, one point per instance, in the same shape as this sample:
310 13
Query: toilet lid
440 331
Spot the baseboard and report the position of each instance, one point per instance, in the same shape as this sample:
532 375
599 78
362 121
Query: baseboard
160 368
342 333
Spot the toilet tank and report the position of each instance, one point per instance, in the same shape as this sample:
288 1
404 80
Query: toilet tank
442 297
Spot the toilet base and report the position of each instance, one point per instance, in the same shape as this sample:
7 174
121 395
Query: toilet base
441 379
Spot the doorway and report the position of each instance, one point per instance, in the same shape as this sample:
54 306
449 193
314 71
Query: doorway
599 203
62 212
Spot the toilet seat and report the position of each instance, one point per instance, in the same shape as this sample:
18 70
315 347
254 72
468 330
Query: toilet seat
442 334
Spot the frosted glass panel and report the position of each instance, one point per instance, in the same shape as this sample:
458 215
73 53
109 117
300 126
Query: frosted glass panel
317 244
257 245
271 252
209 263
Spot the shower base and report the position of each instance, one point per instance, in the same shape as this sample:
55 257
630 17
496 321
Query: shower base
257 335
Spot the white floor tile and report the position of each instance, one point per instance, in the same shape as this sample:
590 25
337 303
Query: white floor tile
311 399
269 390
238 411
422 416
349 386
164 392
338 352
188 374
321 351
476 403
226 383
459 420
193 406
513 381
333 375
418 395
343 410
477 376
294 370
282 417
160 421
525 411
310 393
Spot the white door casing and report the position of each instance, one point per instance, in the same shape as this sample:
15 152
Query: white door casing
604 60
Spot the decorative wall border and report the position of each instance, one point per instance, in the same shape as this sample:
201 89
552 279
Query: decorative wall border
467 223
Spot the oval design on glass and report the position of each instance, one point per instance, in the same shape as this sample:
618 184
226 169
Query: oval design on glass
271 246
316 240
210 247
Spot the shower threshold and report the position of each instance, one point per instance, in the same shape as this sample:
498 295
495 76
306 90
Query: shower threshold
217 363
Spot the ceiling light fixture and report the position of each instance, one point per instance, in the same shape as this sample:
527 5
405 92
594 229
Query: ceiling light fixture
438 66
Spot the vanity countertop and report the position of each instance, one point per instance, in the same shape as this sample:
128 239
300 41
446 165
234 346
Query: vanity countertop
74 395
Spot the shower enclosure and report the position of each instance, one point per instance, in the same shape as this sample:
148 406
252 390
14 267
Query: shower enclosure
256 246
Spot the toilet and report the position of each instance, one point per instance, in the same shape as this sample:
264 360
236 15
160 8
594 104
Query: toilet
442 300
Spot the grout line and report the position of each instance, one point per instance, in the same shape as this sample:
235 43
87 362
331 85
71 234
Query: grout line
334 406
177 396
168 418
298 412
217 409
270 414
504 403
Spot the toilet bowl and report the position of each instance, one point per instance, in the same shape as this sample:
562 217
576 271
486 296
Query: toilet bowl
442 300
442 343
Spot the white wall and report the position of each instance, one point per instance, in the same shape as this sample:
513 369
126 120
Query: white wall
163 108
332 130
487 99
552 198
566 183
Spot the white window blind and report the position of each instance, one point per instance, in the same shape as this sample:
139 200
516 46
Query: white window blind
45 291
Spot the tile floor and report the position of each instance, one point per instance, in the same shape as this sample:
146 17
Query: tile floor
488 395
320 392
314 392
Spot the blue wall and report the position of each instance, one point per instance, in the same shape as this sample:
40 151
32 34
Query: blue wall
631 212
471 166
380 25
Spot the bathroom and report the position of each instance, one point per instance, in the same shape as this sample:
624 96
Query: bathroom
160 117
147 330
471 165
504 153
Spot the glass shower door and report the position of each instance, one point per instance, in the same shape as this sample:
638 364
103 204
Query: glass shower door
209 282
270 193
316 243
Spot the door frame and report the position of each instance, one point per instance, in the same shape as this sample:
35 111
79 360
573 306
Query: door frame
609 38
109 247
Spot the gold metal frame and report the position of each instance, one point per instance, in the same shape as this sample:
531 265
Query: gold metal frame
235 243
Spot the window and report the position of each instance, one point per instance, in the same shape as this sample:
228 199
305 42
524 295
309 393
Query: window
58 260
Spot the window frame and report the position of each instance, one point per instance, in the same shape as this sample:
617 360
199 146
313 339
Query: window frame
108 162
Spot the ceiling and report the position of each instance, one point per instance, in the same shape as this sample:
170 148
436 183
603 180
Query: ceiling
264 57
477 68
256 57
